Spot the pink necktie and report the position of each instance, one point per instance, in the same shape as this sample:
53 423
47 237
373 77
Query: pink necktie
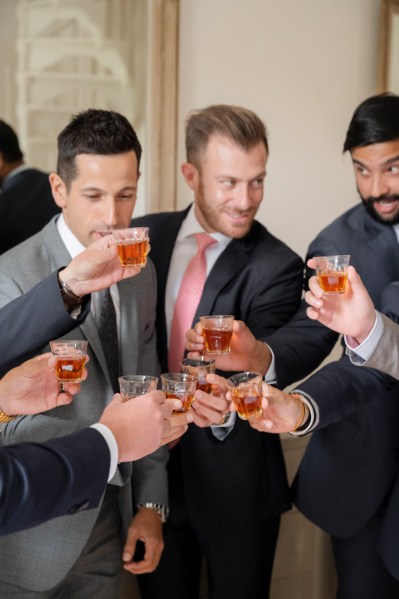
187 300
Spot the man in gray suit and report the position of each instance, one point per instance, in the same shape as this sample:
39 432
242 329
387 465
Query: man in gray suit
95 186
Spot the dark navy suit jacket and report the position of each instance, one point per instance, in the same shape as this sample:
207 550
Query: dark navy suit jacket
39 481
350 463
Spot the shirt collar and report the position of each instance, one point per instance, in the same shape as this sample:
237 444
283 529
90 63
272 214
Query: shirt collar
71 242
190 226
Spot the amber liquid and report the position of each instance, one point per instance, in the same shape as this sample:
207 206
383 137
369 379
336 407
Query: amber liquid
217 341
69 369
204 386
333 281
186 399
133 253
248 406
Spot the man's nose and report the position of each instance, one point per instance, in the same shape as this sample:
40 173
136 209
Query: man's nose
243 197
110 213
379 186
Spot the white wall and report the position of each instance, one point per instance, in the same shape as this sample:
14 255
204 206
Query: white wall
303 66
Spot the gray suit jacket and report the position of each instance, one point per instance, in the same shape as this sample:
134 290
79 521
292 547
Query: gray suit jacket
385 357
38 559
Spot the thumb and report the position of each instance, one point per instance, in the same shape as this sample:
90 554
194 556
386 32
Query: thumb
63 399
117 400
354 278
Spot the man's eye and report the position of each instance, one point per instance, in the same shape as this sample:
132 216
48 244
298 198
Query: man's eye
258 182
361 170
394 169
228 182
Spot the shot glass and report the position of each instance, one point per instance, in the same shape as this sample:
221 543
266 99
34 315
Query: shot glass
181 386
132 385
217 331
71 359
132 245
199 367
332 273
246 392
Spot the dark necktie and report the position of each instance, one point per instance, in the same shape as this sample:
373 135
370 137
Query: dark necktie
107 330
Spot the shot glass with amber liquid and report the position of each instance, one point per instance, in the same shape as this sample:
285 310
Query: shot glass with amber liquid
246 392
133 246
199 367
332 273
179 385
133 385
217 330
71 359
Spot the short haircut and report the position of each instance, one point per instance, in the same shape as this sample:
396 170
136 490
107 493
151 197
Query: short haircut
9 144
240 125
94 131
376 120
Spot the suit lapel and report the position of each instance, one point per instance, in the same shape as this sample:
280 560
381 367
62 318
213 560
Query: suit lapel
230 262
385 245
162 248
162 241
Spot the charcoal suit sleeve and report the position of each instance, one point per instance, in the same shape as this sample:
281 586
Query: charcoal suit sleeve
30 321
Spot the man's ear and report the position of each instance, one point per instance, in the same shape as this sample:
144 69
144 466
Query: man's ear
190 174
58 189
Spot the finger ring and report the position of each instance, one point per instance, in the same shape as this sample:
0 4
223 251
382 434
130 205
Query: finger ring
224 419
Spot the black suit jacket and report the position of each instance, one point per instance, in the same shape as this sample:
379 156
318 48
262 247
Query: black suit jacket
39 481
350 463
258 279
26 205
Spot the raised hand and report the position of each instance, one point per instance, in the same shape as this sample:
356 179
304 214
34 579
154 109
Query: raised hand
351 313
32 387
246 352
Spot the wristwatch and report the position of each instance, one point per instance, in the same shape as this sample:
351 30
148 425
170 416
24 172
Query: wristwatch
70 299
161 510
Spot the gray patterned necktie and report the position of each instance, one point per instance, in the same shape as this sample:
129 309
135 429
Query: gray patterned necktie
107 330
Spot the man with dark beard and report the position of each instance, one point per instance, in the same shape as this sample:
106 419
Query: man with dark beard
346 480
227 484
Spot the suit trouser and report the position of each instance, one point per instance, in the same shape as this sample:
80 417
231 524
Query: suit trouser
239 559
360 570
98 570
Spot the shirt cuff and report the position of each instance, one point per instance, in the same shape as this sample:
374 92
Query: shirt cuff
365 349
271 375
314 415
112 446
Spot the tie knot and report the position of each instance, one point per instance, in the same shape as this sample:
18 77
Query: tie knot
203 241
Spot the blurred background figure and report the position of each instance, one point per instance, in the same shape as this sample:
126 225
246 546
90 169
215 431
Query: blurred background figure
26 201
